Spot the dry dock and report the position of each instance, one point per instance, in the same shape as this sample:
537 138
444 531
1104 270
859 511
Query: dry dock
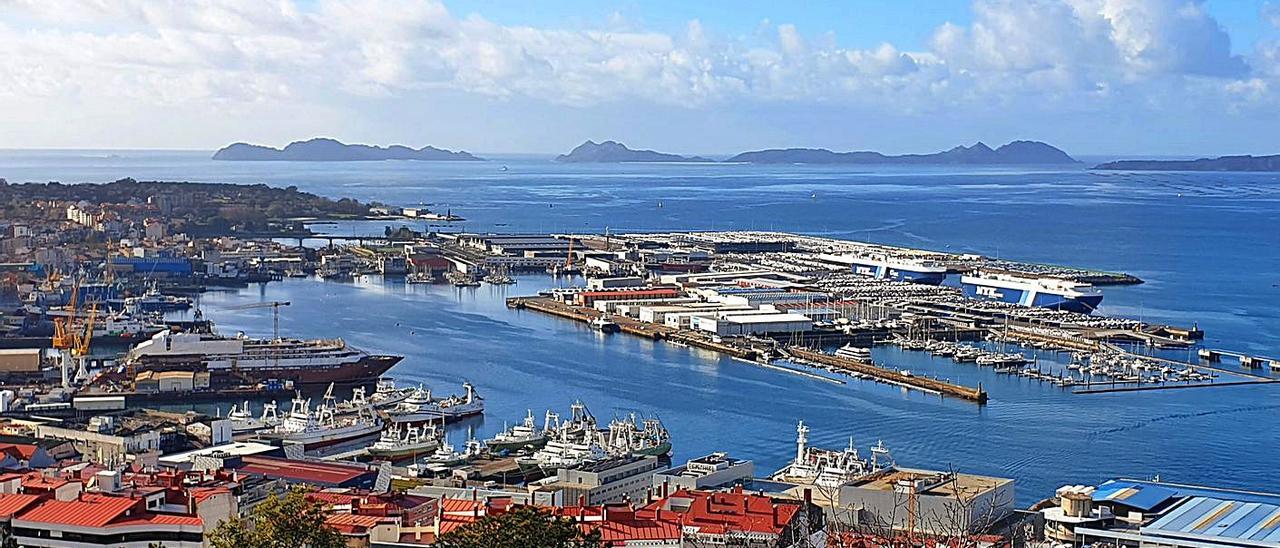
890 375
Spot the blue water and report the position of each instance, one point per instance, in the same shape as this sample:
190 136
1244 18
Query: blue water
1205 243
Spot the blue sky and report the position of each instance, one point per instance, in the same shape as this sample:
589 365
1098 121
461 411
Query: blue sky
1125 77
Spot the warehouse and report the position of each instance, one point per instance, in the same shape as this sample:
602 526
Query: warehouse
19 361
753 324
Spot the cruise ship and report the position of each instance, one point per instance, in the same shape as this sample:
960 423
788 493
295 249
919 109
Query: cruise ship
239 360
901 269
1054 293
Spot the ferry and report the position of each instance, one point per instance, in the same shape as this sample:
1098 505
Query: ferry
859 353
240 359
829 468
884 266
1042 292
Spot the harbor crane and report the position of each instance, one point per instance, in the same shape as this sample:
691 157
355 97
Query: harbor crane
275 313
72 338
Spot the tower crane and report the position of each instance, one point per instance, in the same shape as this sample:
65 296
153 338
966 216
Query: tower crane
275 313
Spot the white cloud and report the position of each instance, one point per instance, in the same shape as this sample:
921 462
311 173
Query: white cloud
175 53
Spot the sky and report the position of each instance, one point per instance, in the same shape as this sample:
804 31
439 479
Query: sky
1094 77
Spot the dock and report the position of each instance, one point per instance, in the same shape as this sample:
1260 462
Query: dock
1150 387
926 384
632 326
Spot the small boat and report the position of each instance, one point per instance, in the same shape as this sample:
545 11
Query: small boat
858 353
605 325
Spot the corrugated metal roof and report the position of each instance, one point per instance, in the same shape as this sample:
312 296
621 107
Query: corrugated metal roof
1219 520
1133 494
91 511
11 504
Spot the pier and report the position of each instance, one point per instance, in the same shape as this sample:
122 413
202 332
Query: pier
926 384
1246 360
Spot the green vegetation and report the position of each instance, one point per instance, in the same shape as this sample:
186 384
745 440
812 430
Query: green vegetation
292 521
521 527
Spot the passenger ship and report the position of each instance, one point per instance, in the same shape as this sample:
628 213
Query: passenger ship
240 359
900 269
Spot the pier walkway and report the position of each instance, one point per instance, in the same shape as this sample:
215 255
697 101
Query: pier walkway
892 376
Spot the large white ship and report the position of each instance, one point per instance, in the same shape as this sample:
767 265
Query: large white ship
890 267
829 468
421 407
322 426
240 359
1043 292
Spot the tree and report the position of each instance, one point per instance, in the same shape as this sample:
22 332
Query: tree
292 521
521 527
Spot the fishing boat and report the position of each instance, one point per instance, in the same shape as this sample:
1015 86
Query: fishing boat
525 435
386 394
321 427
407 442
243 421
636 437
565 451
421 407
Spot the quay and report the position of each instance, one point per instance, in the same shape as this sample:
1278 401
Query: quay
632 326
1246 360
889 375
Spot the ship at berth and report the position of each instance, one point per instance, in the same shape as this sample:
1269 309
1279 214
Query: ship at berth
1043 292
899 269
242 360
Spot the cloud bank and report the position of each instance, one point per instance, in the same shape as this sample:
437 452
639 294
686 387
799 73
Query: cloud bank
156 58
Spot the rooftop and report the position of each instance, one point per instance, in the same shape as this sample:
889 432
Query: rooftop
324 473
1220 521
931 482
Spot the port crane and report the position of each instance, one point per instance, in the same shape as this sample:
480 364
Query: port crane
73 340
275 313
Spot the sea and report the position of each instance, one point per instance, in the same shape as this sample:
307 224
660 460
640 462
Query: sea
1206 244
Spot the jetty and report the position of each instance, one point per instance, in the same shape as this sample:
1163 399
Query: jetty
901 378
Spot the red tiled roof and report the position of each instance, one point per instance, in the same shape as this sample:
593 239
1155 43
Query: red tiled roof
89 511
352 523
300 470
718 513
20 451
36 480
159 519
11 504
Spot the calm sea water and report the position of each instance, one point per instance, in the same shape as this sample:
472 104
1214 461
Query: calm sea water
1205 243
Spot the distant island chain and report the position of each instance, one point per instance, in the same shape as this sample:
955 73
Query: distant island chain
1021 152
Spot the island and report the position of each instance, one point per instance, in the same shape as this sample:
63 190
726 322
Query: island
1014 153
331 150
615 152
1221 163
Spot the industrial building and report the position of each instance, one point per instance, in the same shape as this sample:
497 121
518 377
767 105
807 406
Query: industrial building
926 501
713 471
1140 514
609 481
752 323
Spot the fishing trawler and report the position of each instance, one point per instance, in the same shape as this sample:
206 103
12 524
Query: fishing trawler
565 451
525 435
829 468
243 421
322 427
407 442
635 437
421 407
385 393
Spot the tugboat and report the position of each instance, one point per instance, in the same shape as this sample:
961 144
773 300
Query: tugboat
521 436
415 441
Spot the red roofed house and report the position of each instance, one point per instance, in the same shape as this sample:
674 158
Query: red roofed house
103 520
737 518
619 526
24 455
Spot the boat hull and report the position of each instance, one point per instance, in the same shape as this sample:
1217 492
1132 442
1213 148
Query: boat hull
1083 304
366 370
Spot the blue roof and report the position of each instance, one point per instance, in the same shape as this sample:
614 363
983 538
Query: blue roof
1143 496
1221 520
